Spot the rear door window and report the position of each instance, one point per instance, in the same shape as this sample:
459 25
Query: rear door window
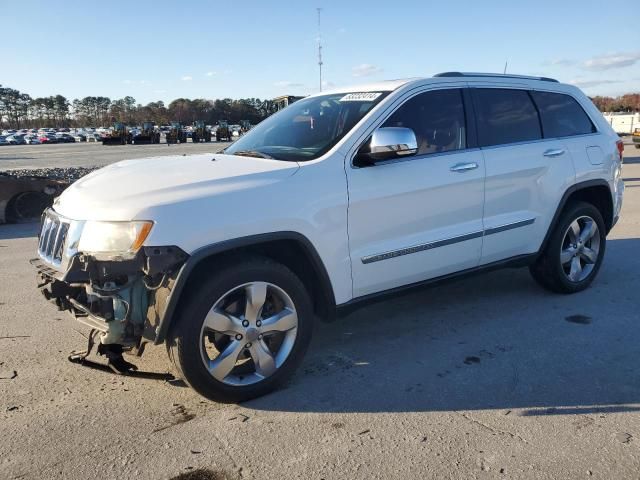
562 115
505 116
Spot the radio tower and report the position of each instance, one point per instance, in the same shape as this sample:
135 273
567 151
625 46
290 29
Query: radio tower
319 47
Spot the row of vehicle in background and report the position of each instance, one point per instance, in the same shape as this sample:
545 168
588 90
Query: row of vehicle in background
149 133
35 139
120 134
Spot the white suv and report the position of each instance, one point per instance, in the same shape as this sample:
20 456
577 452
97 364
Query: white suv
340 198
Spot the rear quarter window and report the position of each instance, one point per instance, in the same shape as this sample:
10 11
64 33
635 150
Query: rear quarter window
562 115
505 116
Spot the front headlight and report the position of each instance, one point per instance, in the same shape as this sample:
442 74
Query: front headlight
113 240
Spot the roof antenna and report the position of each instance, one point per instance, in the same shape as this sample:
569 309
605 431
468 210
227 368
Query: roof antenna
505 67
319 47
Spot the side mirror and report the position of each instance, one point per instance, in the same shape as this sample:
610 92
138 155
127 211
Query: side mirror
387 143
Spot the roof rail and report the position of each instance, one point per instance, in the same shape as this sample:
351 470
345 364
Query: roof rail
494 75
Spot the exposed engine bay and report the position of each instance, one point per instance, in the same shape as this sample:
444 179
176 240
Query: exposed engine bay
122 301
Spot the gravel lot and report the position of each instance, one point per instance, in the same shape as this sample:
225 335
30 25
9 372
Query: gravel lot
488 377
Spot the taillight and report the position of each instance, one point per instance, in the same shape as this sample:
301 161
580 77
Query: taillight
620 145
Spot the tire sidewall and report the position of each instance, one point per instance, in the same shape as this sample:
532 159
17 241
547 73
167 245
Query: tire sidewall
555 245
185 337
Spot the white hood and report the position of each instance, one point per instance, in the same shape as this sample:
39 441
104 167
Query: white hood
128 189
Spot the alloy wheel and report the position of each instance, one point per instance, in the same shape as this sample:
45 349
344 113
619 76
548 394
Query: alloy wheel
248 333
580 248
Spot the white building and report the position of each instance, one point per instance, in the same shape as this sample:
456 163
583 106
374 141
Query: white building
623 123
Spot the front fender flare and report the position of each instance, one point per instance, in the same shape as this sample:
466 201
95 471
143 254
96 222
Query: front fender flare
253 240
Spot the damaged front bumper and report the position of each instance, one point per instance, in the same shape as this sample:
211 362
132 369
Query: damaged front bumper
125 301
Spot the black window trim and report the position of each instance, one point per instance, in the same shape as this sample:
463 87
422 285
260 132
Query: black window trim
535 105
594 124
468 111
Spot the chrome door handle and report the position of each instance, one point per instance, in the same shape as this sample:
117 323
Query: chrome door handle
554 152
463 167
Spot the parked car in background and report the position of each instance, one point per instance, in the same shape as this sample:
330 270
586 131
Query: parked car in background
79 137
636 137
48 138
16 139
3 140
31 140
65 138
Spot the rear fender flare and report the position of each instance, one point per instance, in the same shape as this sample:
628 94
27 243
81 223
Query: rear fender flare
563 203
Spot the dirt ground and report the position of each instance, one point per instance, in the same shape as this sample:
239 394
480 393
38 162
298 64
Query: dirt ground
487 377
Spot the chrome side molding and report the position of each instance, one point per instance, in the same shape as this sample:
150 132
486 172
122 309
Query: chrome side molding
441 243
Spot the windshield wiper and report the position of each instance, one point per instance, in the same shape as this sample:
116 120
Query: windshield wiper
253 153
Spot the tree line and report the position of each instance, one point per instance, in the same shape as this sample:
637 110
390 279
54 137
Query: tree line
20 110
629 102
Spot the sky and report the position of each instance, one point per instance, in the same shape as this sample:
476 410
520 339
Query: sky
162 50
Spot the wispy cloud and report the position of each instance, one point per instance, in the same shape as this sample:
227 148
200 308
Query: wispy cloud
186 78
365 70
328 84
560 62
288 84
611 61
591 83
159 91
210 74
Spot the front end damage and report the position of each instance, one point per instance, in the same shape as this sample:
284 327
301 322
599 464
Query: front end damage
123 301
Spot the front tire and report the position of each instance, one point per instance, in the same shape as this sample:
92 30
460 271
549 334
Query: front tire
573 255
243 332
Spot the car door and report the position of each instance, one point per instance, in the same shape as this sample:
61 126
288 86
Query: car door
526 174
420 217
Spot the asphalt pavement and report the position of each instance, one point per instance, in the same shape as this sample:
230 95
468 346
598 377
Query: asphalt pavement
82 154
486 377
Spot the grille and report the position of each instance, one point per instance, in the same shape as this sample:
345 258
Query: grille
52 238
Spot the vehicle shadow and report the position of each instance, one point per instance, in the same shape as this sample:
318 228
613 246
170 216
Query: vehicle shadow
496 341
19 230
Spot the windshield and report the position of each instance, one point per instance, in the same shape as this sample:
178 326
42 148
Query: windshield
307 129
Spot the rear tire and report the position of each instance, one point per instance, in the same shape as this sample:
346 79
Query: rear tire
574 252
198 331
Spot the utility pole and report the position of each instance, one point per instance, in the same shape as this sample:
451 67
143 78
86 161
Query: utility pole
319 47
505 67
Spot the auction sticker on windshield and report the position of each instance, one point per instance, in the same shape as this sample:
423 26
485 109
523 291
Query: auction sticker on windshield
360 97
